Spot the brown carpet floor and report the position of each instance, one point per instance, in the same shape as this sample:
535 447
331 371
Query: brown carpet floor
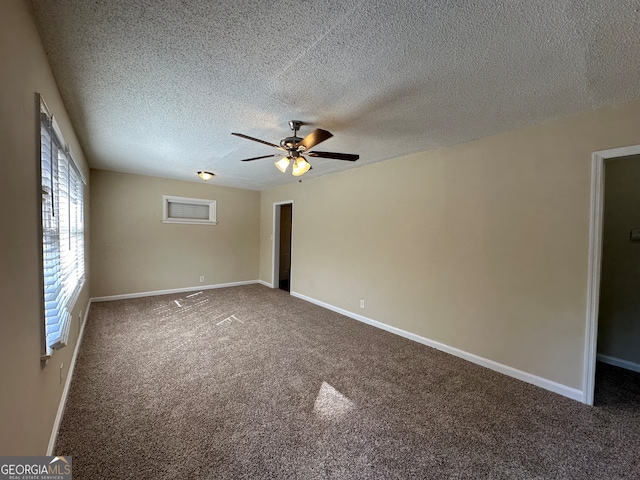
249 382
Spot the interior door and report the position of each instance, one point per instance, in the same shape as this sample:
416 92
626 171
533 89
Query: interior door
285 247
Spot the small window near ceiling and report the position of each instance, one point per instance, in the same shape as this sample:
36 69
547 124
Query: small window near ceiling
188 210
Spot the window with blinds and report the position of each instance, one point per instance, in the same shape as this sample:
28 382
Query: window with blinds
62 231
188 210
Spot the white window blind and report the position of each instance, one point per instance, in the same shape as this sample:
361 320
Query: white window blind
188 210
62 232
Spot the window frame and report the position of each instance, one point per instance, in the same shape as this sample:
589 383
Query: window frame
212 204
62 232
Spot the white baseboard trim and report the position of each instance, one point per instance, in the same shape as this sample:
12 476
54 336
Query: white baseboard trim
67 385
550 385
173 290
266 284
618 362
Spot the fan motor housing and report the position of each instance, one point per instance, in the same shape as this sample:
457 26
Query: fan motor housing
290 142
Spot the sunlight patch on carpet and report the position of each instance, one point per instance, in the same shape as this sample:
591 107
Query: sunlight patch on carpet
229 320
331 404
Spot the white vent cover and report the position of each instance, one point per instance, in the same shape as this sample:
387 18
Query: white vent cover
188 210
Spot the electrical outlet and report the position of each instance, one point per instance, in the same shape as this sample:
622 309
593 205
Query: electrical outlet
61 373
202 279
361 303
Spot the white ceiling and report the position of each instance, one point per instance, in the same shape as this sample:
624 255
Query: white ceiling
157 86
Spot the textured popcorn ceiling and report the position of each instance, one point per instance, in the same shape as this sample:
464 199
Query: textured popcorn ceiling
157 86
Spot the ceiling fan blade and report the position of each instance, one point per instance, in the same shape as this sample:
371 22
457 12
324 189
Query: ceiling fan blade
314 138
242 135
350 157
263 156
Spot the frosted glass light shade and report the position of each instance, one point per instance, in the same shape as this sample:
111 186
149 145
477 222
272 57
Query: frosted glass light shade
206 175
282 164
300 167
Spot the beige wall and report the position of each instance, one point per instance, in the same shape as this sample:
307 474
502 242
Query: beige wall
132 251
30 393
619 314
482 246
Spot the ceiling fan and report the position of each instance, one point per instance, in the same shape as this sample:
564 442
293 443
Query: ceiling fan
294 148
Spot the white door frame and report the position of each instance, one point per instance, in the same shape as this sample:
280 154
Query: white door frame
595 263
275 244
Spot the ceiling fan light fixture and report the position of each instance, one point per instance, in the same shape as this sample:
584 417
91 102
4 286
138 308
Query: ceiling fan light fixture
296 147
283 164
206 175
300 167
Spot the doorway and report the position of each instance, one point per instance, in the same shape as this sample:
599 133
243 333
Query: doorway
595 270
282 245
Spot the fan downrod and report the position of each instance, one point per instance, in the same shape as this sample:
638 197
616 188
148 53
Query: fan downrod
290 143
